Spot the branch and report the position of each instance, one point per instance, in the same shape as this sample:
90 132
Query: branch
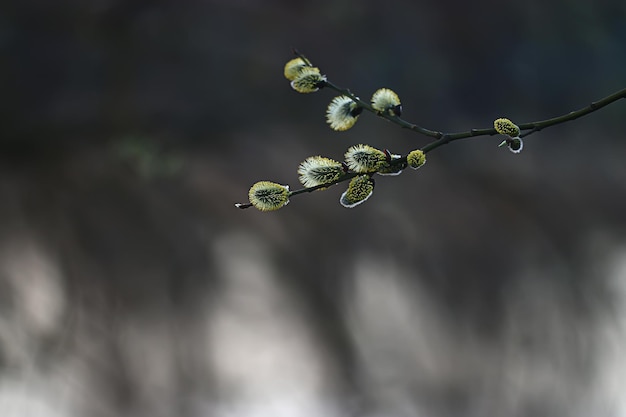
444 138
441 138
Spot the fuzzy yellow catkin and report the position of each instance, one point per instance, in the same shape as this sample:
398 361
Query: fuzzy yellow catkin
342 113
268 196
364 158
293 68
359 189
416 158
318 170
386 101
506 127
308 80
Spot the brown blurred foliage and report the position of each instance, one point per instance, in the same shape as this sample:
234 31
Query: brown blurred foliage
129 129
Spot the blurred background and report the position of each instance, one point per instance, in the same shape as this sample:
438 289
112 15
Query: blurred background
484 284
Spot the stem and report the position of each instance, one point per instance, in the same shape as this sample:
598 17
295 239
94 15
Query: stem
395 119
346 177
595 105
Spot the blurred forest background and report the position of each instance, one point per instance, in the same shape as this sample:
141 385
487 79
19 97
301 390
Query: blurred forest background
484 284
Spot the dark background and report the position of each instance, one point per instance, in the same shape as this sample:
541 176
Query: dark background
484 284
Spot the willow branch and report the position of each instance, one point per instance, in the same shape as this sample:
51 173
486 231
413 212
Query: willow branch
442 138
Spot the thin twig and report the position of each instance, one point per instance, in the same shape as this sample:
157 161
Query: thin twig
347 176
532 127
